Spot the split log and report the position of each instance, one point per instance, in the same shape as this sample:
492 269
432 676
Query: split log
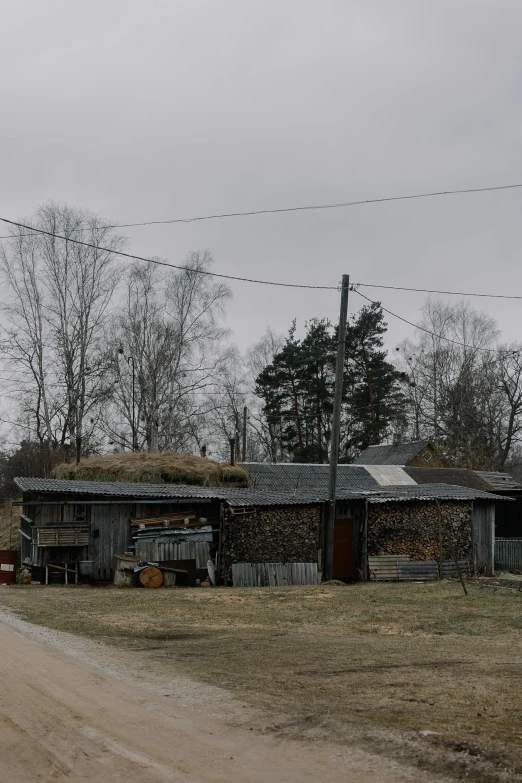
169 578
125 578
151 577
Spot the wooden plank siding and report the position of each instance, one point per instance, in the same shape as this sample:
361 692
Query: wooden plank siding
274 574
483 536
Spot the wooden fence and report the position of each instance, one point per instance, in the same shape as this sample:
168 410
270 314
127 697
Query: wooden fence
508 553
274 574
395 568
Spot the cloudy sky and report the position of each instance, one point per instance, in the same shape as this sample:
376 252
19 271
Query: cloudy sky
158 110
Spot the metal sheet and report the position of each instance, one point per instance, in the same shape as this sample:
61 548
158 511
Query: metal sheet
390 475
274 574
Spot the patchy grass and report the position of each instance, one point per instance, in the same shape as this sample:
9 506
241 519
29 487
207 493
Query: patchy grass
411 657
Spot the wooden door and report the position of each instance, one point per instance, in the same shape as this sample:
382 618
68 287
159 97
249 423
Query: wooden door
343 549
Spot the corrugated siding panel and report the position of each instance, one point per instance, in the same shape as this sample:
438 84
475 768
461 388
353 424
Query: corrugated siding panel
156 550
388 475
274 574
508 553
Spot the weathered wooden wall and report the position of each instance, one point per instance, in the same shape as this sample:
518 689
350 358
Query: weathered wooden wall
484 536
110 535
275 534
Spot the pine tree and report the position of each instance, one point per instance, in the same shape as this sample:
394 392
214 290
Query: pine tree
373 400
297 390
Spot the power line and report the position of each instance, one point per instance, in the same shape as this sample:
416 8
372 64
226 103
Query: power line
309 207
264 282
435 291
421 328
338 205
166 263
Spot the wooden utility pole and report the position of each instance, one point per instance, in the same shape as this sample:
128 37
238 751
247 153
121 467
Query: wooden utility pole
243 451
336 430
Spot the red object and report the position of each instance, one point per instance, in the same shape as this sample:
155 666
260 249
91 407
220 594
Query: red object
343 549
7 567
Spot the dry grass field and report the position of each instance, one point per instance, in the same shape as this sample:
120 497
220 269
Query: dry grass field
377 660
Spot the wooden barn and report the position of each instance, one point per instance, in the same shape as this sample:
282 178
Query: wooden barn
81 525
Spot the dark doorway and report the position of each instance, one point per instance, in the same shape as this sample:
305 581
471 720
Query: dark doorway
343 549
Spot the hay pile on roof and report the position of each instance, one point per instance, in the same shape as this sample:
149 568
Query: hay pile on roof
165 467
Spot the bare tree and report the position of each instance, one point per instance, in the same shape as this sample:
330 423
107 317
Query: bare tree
465 391
168 345
58 293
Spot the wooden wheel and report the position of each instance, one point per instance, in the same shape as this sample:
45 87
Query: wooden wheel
151 577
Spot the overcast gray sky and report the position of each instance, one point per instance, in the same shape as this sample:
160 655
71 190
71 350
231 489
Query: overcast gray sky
160 110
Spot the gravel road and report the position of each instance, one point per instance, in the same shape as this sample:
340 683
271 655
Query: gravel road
77 710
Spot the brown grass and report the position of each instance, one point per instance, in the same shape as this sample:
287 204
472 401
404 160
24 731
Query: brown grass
154 467
378 659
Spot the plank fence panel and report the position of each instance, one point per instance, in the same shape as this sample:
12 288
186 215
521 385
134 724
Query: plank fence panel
274 574
449 569
508 553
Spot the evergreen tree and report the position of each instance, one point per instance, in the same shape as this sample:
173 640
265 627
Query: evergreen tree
374 404
297 390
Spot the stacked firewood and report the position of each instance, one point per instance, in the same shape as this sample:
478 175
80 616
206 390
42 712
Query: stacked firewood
456 531
284 534
413 529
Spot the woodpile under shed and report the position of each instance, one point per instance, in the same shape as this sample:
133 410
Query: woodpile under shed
422 530
274 534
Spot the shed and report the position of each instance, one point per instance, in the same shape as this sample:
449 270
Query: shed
68 522
508 516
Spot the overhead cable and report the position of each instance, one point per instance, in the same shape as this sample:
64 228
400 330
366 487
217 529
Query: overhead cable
422 328
437 291
166 263
310 207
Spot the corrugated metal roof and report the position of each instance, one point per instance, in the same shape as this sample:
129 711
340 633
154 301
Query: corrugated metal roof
399 454
420 492
499 481
115 489
249 497
295 477
458 476
389 475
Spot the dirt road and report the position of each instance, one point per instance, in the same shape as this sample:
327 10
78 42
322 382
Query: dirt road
61 719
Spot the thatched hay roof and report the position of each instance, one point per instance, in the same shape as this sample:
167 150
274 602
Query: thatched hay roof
154 467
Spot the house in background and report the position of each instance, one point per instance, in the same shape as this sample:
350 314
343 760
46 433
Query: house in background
416 453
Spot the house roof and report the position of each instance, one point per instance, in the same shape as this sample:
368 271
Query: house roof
399 454
296 477
458 476
250 497
499 481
